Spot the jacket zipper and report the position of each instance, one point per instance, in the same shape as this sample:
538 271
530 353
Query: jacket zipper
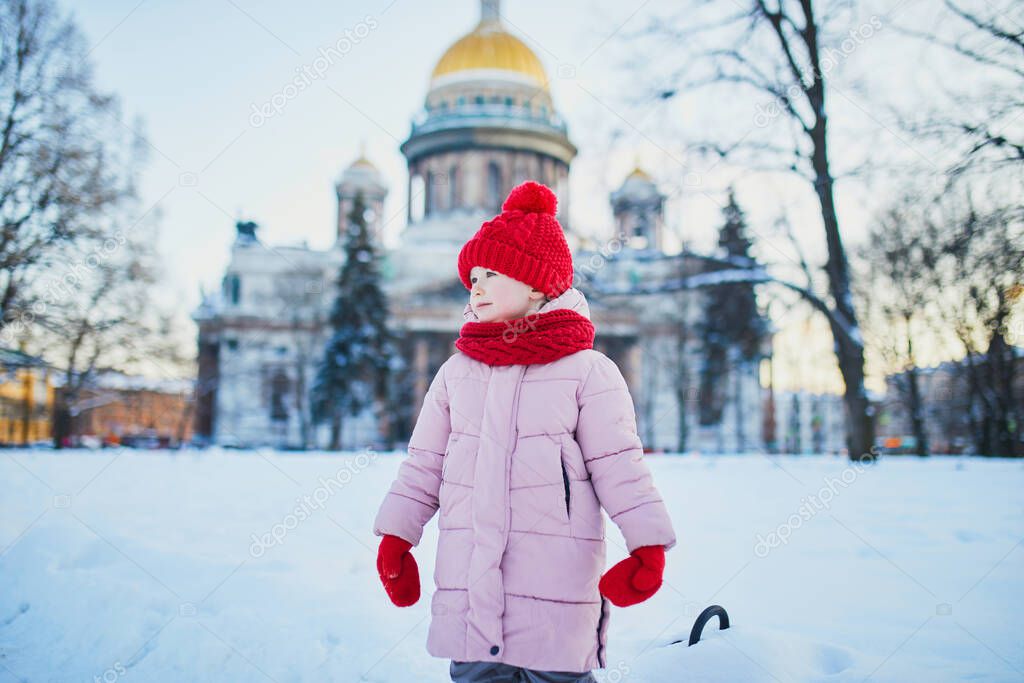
514 430
600 620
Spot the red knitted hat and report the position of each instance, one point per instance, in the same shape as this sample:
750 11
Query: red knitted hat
524 242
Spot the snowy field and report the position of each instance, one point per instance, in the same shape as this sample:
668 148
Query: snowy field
259 566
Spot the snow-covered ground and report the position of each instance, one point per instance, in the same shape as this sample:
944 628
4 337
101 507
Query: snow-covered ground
257 565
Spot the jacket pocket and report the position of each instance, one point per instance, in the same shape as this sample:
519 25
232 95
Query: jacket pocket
459 462
565 481
444 458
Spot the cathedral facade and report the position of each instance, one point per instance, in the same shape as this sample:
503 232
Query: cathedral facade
488 123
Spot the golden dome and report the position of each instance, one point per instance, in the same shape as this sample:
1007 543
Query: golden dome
489 46
639 173
362 161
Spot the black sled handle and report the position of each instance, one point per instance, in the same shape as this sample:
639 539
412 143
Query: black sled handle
703 618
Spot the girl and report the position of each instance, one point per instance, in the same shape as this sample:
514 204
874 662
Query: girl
525 434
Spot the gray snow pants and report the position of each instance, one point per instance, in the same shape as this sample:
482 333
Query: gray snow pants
498 672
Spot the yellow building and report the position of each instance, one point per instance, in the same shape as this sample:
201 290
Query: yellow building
26 398
131 410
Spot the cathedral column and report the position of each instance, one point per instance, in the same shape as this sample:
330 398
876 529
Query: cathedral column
632 359
408 198
421 367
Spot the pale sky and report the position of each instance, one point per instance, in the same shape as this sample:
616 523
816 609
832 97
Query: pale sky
193 71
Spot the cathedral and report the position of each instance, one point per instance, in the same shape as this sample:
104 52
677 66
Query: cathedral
488 123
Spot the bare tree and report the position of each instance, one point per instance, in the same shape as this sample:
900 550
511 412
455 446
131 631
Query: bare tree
64 160
100 308
979 212
980 277
77 258
985 130
781 49
897 293
950 266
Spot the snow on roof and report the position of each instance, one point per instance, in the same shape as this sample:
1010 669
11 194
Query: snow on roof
111 379
15 358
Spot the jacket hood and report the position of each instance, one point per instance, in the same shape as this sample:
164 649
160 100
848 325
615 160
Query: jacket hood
571 299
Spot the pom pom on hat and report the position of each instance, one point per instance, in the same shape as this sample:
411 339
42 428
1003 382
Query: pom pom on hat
531 197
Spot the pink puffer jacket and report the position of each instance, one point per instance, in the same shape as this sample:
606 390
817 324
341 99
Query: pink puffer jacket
520 459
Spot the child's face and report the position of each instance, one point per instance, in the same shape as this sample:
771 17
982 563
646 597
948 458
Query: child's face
495 297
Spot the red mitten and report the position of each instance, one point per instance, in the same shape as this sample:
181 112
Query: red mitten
398 571
635 578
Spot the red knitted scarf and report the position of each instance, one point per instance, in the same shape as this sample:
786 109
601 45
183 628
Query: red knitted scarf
534 338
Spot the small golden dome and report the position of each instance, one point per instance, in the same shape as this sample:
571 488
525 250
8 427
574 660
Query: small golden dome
490 46
362 161
639 173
